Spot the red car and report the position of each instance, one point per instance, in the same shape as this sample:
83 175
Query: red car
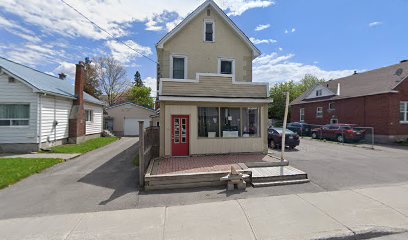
339 132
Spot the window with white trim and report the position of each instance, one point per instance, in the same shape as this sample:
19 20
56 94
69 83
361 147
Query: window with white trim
404 112
319 93
14 114
319 112
332 106
226 66
208 31
334 121
89 115
302 115
179 67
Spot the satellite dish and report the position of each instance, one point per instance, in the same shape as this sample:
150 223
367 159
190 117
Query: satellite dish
399 71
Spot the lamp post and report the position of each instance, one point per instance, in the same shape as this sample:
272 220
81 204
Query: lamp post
285 119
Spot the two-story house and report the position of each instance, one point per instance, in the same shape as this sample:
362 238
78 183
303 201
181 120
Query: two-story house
208 101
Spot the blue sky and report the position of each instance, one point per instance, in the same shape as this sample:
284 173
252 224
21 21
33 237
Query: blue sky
329 39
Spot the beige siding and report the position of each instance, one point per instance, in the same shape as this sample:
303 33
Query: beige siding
203 56
96 125
18 92
214 86
213 145
54 109
120 113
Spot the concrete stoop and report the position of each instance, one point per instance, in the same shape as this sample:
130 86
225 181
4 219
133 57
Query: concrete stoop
277 175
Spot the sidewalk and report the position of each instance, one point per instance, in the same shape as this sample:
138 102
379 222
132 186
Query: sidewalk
368 211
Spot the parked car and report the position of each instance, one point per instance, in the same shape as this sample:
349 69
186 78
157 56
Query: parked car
302 129
339 132
275 138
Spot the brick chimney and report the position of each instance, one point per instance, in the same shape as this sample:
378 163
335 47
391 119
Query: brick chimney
77 116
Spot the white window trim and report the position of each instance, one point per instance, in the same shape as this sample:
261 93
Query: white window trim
405 121
18 126
226 59
302 113
213 28
317 112
330 108
321 92
331 121
92 115
185 64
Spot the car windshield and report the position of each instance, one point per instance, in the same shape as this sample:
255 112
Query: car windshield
346 127
279 130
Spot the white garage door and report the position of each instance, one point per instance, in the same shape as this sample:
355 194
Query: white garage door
131 126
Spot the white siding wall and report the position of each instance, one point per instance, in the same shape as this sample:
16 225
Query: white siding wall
54 109
95 126
325 92
18 92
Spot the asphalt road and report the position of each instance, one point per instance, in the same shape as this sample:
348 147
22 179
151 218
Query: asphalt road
107 180
104 179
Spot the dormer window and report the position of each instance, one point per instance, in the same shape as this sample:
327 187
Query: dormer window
319 93
209 31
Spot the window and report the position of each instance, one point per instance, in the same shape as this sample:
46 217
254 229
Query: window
14 114
231 122
332 106
404 112
319 112
250 122
89 115
226 66
302 115
179 67
334 121
208 122
319 93
208 31
228 122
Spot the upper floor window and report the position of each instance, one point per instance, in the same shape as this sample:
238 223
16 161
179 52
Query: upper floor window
404 112
178 67
332 106
226 66
208 31
319 112
14 114
319 93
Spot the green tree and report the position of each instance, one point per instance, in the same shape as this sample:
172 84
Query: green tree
138 80
295 89
91 86
141 96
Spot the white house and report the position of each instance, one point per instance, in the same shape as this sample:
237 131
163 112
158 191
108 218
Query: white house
38 110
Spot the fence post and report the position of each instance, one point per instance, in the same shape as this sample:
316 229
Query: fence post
141 154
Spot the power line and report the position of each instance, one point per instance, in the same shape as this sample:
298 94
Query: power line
105 31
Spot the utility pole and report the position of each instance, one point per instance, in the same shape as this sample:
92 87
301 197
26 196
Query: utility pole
285 119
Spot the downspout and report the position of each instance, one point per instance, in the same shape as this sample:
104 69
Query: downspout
55 120
40 120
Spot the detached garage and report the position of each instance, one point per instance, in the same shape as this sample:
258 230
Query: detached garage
125 118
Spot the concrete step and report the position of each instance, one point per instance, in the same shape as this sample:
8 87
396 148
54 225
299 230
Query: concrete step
278 175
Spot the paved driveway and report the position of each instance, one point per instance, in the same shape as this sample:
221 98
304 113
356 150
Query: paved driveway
104 179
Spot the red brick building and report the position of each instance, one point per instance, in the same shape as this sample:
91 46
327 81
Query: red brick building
377 98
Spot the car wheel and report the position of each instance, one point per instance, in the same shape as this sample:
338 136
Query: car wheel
272 144
340 138
314 135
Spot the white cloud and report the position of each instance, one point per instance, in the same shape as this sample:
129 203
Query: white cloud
273 68
124 54
66 68
152 83
280 49
262 27
14 28
114 16
293 30
261 41
375 24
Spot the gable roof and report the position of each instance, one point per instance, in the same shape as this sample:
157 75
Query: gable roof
133 105
191 16
377 81
42 82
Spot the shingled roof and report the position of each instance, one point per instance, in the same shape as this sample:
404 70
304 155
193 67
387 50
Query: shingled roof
377 81
43 82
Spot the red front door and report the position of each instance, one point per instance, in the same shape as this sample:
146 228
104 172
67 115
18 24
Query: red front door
180 135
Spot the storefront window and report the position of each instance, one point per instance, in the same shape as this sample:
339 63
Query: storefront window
231 122
250 122
208 122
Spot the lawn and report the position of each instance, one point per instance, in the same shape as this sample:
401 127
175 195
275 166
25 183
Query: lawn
83 147
13 170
